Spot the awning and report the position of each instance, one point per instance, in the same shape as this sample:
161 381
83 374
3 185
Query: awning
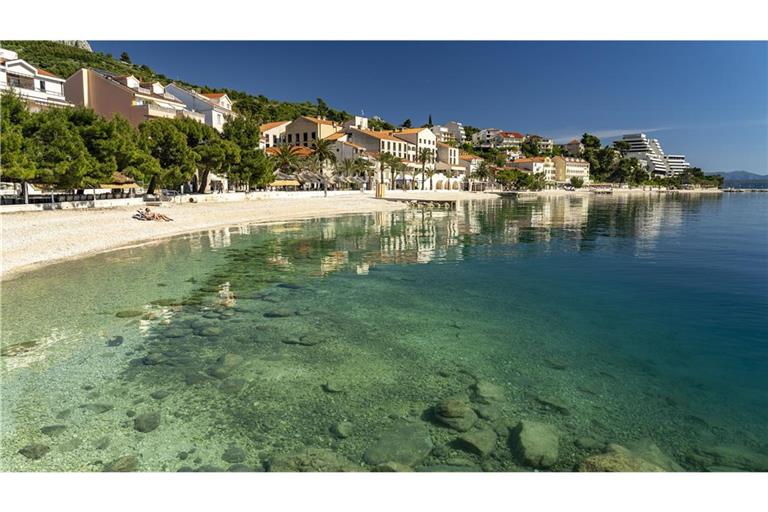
115 186
284 183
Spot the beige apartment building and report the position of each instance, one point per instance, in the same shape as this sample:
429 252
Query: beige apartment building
305 130
137 101
536 165
567 167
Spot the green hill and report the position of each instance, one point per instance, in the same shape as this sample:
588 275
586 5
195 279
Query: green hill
64 60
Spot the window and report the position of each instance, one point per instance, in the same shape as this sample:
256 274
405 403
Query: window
305 137
42 85
290 138
314 136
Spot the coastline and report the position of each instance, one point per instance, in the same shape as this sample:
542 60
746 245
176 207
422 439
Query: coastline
31 240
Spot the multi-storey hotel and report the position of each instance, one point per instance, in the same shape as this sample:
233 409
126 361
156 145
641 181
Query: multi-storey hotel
652 157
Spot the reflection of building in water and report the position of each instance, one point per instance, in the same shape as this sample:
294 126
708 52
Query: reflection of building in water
336 260
653 217
569 212
219 238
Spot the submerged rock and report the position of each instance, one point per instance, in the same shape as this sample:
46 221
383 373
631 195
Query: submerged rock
290 286
193 378
243 468
53 430
97 408
554 403
305 340
129 313
102 443
488 412
233 454
392 467
487 393
280 313
617 459
649 451
115 342
481 442
342 429
312 460
456 414
147 422
333 386
123 464
536 443
160 394
35 451
154 358
406 443
232 385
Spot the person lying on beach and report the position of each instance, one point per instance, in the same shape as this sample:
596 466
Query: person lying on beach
147 214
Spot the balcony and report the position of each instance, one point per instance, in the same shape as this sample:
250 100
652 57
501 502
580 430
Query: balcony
155 110
195 116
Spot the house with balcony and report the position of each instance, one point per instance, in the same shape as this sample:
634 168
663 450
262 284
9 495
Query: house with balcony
216 107
109 94
537 165
39 88
545 145
456 131
574 147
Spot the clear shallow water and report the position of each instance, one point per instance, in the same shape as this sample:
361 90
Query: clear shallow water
614 320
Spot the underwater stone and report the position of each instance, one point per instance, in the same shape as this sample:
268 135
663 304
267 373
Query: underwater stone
480 442
590 443
280 313
342 429
53 430
488 412
392 467
617 459
487 393
229 360
405 443
232 385
312 460
175 332
129 313
115 342
160 394
209 332
153 358
455 414
243 468
233 454
97 408
305 340
648 450
218 372
536 443
333 386
35 451
125 464
555 404
64 414
147 422
102 443
290 286
193 378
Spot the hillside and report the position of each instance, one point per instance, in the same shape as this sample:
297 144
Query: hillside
743 176
63 60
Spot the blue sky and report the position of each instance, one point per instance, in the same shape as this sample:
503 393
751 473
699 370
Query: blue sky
708 100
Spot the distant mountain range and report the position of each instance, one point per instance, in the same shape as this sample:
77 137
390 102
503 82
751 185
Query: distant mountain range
741 176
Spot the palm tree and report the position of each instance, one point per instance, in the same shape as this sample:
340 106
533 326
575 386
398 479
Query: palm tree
287 158
365 167
424 157
324 153
398 169
483 171
385 160
345 167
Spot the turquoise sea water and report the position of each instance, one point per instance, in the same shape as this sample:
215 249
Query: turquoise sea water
312 346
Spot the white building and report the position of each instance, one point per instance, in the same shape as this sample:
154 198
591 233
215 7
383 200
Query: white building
537 165
677 164
359 122
441 133
39 88
545 145
271 134
216 107
652 157
485 138
456 129
448 161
